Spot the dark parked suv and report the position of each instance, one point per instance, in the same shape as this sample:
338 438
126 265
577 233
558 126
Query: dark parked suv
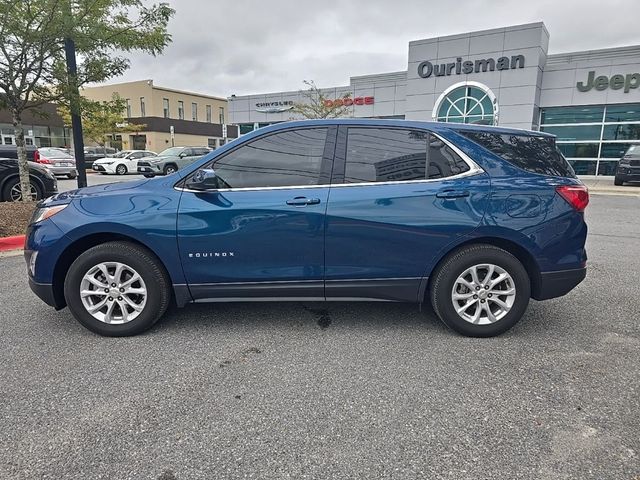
43 182
629 166
475 220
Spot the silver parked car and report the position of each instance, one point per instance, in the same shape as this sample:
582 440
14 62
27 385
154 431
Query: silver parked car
57 161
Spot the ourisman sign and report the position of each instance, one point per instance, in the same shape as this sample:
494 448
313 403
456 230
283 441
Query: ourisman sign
426 69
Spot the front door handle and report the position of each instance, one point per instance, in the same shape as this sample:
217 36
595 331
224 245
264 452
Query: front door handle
303 201
452 193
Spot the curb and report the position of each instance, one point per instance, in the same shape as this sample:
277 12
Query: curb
12 243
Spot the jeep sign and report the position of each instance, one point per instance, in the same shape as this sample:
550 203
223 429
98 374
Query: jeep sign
616 82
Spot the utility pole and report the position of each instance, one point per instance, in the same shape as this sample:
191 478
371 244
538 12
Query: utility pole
74 106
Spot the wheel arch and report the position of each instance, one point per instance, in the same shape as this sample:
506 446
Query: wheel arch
514 248
8 178
80 245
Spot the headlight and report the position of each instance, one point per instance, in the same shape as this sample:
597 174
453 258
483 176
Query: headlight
105 163
47 212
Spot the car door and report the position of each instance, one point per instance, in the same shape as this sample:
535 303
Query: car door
398 197
261 235
131 161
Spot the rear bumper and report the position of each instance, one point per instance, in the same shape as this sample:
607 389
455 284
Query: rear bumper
62 170
44 291
557 284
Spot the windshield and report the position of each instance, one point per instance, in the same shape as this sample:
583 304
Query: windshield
171 151
53 153
122 154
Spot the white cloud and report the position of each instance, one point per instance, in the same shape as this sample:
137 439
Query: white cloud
248 46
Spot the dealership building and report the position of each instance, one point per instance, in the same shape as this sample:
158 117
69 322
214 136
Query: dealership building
590 99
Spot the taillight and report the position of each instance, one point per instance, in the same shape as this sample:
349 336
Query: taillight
41 159
576 195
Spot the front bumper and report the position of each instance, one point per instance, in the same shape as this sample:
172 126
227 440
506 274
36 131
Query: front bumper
44 291
557 284
149 168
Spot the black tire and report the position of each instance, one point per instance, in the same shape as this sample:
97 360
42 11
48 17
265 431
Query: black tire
144 263
146 175
169 169
444 280
121 169
6 190
71 176
617 181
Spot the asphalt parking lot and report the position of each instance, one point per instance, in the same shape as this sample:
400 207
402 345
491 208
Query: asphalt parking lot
367 390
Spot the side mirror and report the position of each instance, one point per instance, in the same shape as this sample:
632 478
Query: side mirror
203 180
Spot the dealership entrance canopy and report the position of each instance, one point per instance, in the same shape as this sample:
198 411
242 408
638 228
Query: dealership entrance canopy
504 76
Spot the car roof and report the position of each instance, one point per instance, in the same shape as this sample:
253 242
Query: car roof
377 122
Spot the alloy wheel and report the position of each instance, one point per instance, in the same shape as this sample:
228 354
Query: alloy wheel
113 293
483 294
16 192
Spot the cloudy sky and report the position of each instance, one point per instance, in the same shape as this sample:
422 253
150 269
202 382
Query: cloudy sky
250 46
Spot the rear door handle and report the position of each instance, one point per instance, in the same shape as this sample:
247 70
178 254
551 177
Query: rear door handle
303 201
452 194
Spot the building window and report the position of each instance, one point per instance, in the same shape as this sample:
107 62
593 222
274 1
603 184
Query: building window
180 109
593 137
208 109
194 111
221 115
467 102
128 100
165 107
211 143
143 111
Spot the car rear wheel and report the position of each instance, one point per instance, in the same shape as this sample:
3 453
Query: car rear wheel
618 181
117 289
12 191
121 169
72 175
169 169
480 291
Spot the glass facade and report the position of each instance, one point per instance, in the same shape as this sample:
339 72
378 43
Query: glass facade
594 137
38 135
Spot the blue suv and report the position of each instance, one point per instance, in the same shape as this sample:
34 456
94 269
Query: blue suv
475 220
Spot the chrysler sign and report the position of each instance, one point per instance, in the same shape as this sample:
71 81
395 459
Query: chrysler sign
274 107
426 69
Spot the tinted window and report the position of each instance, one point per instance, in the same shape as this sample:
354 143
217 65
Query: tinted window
289 158
531 153
201 151
389 155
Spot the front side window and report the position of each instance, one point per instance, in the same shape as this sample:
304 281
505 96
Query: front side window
291 158
391 155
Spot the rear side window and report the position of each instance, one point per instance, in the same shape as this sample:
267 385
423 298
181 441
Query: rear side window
391 155
531 153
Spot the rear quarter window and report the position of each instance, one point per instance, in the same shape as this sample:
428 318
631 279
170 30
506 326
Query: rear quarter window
536 154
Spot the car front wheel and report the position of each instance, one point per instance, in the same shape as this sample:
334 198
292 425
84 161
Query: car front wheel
617 181
480 291
12 191
169 169
117 289
121 170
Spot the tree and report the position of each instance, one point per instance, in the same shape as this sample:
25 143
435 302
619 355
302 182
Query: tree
100 119
32 57
318 105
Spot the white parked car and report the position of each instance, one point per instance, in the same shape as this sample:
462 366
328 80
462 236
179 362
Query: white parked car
122 162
